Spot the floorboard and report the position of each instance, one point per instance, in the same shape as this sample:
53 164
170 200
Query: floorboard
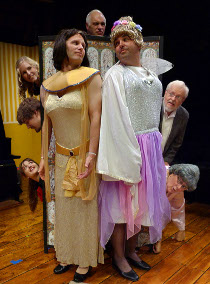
22 257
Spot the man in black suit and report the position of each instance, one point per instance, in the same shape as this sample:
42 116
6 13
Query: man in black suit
174 119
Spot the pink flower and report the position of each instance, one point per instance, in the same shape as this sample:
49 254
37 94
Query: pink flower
124 22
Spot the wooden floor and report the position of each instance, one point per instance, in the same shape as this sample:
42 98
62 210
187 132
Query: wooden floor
22 257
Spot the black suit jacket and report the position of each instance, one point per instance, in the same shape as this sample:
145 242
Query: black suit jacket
176 135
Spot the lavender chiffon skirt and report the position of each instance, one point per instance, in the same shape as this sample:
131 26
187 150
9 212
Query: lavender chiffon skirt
115 197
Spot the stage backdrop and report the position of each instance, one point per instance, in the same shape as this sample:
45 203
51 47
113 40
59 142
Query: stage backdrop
101 56
26 143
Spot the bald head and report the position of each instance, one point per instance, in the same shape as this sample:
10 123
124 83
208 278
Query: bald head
95 23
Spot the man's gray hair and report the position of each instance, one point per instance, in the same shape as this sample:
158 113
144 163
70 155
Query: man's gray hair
90 13
181 84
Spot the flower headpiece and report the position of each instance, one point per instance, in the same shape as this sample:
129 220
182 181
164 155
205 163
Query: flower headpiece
125 25
124 22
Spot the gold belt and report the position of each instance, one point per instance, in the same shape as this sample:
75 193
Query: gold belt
70 152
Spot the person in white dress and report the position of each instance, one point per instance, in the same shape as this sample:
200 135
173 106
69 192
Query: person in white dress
132 191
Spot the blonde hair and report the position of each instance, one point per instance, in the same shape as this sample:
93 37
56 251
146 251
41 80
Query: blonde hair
23 85
126 26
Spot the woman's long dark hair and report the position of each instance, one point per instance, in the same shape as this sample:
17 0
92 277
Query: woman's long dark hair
59 50
32 187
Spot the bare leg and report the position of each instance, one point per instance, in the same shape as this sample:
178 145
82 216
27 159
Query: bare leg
82 270
118 244
157 247
180 235
63 264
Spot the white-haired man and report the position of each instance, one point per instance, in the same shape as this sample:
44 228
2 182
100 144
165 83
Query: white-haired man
174 119
95 23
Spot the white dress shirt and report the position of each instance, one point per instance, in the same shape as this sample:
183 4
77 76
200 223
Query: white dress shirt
167 123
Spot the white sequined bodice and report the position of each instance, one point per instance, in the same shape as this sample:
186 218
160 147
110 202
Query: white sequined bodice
143 92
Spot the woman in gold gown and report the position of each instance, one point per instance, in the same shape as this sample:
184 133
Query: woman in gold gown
72 104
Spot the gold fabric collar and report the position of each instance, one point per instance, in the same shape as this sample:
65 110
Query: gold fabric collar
63 80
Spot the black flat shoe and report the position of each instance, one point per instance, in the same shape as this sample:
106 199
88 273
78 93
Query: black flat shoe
59 269
131 275
139 264
81 277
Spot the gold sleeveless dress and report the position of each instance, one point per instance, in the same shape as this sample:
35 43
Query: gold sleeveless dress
76 220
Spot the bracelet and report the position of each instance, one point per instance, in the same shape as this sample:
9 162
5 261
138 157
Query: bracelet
92 153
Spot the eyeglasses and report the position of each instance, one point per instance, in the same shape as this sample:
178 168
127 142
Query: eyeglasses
172 95
183 184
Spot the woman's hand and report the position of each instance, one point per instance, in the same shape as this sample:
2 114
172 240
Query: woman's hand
42 169
89 164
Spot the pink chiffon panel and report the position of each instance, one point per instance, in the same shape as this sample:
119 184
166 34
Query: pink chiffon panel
115 198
